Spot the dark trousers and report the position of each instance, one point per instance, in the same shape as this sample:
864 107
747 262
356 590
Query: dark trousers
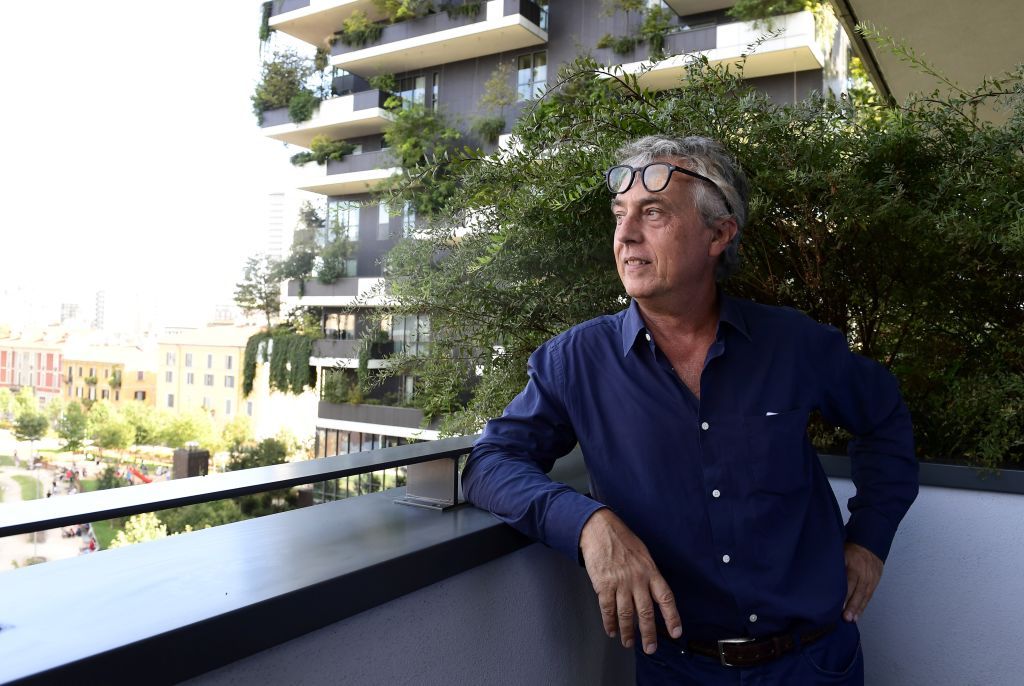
832 661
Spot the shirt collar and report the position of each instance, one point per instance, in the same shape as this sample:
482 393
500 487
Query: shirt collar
730 312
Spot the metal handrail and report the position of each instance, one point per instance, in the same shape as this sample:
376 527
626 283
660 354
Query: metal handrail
49 513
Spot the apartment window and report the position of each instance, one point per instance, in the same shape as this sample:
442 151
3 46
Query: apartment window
532 75
342 216
170 400
434 92
248 408
229 382
410 333
169 377
92 392
543 4
339 325
105 394
228 361
188 359
227 407
140 395
79 371
208 379
383 223
170 360
139 376
209 361
92 371
106 373
78 392
206 403
408 219
117 396
190 378
413 91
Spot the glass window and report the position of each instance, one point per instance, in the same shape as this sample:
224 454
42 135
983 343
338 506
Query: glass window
139 376
408 219
227 407
209 361
248 408
532 75
105 394
332 443
169 377
434 92
412 90
208 379
188 359
341 214
339 325
170 360
228 361
229 382
411 333
383 223
140 395
170 400
190 378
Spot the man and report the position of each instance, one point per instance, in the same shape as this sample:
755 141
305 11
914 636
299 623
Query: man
712 529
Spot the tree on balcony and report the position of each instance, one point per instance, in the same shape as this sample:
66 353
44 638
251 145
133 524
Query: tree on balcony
285 82
499 94
900 226
115 380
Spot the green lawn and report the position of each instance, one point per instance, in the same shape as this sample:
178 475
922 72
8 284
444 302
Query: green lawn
89 484
105 531
6 461
30 487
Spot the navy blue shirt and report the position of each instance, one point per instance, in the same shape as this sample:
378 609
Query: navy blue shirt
726 490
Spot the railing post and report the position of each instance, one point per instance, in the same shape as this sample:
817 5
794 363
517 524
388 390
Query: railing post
433 485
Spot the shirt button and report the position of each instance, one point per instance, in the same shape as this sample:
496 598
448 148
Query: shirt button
647 336
725 559
705 426
753 618
716 493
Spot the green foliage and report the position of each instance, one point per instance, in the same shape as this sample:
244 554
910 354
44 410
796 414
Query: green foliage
288 354
424 146
269 451
282 78
114 381
237 433
753 10
357 30
384 82
620 45
114 434
72 426
337 386
140 528
25 401
109 479
402 10
6 401
90 381
30 426
179 520
903 227
655 23
31 489
489 128
323 149
259 290
466 8
498 94
266 10
147 422
301 106
190 426
321 59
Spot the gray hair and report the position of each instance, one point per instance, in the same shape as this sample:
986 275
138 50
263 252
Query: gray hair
709 158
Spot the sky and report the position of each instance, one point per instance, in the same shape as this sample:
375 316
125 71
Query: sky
130 159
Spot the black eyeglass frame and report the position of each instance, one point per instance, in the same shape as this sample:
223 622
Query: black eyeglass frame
672 168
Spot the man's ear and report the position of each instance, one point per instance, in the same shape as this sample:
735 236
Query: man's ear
722 232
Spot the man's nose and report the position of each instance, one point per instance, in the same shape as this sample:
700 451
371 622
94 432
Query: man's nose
627 229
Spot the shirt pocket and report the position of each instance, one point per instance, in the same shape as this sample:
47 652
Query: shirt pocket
777 452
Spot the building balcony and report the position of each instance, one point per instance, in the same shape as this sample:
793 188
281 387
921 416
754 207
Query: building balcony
380 419
347 292
684 7
385 594
354 174
315 21
346 116
795 49
501 26
329 352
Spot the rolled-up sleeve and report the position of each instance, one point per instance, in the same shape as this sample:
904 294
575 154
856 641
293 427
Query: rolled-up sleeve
507 469
863 397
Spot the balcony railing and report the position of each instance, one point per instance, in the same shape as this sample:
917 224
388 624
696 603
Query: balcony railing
307 595
360 173
346 116
501 26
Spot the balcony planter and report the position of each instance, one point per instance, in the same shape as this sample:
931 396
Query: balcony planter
407 417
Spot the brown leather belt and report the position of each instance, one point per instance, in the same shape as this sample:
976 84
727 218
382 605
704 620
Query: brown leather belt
747 652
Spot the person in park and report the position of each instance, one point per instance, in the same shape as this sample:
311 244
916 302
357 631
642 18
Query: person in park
711 536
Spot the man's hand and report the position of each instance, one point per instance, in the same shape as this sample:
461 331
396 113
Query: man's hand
863 571
627 583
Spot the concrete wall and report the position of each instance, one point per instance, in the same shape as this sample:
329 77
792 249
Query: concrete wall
949 608
948 611
528 618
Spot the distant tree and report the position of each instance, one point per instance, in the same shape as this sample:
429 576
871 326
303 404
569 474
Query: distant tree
25 401
115 434
30 426
6 402
55 410
201 516
140 529
192 426
260 289
72 427
237 433
145 420
108 478
267 452
100 413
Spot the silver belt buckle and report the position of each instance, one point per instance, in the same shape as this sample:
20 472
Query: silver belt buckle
721 648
